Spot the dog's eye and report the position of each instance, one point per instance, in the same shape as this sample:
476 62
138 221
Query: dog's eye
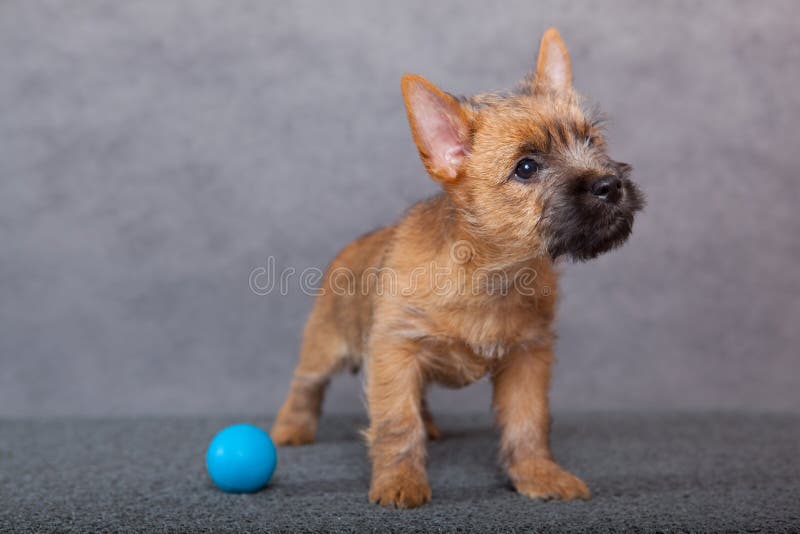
526 169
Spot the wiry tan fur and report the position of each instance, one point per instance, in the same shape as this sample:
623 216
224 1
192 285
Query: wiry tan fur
418 333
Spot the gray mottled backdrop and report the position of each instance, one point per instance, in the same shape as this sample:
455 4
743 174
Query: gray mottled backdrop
154 153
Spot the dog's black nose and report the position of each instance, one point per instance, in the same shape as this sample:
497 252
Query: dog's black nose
607 188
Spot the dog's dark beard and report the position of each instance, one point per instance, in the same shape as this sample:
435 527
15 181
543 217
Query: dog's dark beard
580 227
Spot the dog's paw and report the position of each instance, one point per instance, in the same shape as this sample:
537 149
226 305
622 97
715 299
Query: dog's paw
292 434
401 490
545 479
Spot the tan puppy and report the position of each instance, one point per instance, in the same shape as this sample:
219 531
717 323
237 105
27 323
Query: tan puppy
464 285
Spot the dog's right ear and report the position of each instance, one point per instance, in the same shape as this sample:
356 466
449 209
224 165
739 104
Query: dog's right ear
439 125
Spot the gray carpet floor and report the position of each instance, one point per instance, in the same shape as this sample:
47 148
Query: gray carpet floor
711 472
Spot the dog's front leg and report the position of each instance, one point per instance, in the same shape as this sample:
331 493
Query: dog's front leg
396 435
521 385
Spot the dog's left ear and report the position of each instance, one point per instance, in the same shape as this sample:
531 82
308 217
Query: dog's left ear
553 70
439 125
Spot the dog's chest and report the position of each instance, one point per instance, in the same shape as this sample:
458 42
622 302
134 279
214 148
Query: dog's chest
471 340
492 330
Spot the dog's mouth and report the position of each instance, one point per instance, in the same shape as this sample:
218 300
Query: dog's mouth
582 230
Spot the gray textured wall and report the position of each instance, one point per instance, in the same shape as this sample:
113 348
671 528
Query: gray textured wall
152 154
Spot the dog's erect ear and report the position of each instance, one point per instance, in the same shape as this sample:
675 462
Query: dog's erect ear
553 70
439 125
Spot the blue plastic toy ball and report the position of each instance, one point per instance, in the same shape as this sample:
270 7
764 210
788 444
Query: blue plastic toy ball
241 459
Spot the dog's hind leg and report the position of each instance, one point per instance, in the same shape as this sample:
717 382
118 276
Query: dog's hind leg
324 352
431 428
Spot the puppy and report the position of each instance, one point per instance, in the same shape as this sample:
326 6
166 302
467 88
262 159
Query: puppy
464 285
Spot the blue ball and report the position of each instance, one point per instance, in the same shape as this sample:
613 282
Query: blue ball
241 459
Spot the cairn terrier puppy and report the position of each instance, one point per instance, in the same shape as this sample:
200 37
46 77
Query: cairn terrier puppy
526 179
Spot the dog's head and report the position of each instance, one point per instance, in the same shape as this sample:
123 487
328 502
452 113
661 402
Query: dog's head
528 169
